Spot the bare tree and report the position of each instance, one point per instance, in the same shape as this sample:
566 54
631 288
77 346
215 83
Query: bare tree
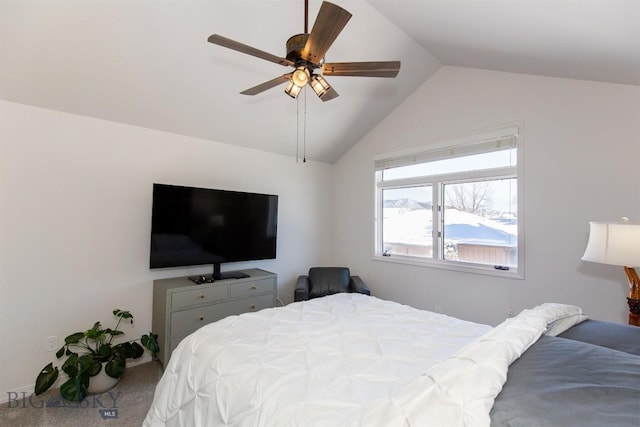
470 197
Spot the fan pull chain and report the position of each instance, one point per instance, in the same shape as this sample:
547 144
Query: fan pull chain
297 129
304 129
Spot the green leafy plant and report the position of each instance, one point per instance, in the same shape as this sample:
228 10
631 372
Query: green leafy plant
87 352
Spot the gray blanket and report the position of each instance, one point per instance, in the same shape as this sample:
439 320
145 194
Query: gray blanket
564 381
611 335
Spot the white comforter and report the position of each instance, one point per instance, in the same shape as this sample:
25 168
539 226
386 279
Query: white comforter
345 360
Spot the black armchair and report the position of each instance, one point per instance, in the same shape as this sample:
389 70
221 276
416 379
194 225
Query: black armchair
323 281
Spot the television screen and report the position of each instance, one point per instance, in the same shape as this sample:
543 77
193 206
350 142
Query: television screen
194 226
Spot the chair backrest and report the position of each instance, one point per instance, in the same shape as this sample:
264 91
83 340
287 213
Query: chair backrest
328 280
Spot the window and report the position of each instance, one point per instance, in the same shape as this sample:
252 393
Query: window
453 206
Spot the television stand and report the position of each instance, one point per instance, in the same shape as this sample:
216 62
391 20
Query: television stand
232 275
210 278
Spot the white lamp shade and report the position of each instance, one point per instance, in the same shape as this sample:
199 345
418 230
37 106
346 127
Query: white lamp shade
613 243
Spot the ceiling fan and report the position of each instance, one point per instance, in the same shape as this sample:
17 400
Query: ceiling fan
305 53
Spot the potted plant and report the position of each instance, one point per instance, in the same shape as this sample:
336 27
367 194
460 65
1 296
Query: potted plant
89 353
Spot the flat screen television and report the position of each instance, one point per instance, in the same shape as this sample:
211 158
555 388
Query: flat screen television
198 226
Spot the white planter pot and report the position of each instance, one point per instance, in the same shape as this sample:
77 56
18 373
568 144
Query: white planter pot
101 382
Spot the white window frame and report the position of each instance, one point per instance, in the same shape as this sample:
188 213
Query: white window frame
478 143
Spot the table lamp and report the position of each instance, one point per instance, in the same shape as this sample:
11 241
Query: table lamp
618 244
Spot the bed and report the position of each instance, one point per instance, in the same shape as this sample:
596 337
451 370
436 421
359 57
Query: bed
356 360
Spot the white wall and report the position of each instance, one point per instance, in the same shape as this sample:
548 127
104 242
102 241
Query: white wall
75 214
582 151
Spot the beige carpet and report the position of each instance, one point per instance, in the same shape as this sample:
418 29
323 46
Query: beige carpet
124 405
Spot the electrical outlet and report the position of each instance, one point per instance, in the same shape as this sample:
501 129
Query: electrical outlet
51 343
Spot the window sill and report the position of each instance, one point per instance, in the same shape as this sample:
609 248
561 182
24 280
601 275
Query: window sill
452 266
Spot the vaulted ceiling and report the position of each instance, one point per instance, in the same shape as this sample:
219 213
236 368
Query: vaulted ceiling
147 62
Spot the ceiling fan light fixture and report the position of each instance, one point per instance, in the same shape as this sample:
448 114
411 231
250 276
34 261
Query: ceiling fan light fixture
292 89
300 76
319 85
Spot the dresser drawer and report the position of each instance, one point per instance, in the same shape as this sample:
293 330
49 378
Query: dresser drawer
247 305
198 296
249 288
188 321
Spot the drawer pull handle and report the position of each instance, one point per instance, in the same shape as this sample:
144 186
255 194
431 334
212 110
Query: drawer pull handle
253 306
201 296
254 287
201 318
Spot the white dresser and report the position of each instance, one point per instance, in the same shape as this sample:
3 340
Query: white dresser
180 306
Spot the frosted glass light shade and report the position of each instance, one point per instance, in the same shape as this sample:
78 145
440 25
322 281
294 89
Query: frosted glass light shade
300 77
319 85
613 243
292 90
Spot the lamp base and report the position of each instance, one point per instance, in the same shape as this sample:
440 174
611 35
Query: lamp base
634 311
634 296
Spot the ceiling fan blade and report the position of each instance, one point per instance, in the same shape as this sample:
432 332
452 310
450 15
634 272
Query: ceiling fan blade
267 85
362 69
329 23
240 47
331 93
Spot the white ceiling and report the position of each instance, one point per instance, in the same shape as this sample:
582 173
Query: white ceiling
147 62
578 39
